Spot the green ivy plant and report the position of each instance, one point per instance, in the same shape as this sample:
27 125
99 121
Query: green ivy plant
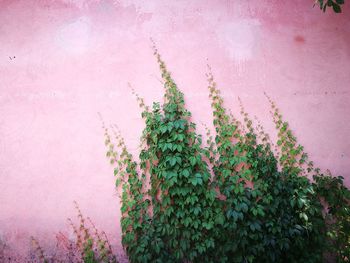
236 198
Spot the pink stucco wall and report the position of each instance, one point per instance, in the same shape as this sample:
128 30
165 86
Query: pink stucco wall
63 61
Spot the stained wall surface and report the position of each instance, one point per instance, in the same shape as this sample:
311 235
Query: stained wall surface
62 62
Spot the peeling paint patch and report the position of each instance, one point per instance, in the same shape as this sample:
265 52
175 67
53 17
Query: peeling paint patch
75 38
241 38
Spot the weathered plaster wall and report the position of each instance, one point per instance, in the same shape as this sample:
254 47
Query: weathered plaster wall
63 61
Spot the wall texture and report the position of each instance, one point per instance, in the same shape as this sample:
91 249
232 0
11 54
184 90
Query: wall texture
62 62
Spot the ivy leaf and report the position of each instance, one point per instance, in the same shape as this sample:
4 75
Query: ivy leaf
301 202
244 207
336 8
197 210
173 161
220 219
163 129
193 160
178 159
208 225
304 216
197 180
186 173
252 227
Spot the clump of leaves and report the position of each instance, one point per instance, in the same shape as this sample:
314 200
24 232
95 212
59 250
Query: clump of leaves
330 191
267 210
337 214
172 220
234 200
335 4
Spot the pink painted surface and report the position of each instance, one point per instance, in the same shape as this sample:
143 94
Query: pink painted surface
63 61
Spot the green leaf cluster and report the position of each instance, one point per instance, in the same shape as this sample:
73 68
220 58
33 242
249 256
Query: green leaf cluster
335 4
236 198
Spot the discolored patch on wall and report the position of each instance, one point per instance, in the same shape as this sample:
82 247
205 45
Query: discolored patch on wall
299 39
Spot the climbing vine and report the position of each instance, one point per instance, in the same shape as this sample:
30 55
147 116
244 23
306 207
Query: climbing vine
89 245
236 198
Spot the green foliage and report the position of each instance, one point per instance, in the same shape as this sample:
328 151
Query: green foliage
233 199
278 215
336 198
335 4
